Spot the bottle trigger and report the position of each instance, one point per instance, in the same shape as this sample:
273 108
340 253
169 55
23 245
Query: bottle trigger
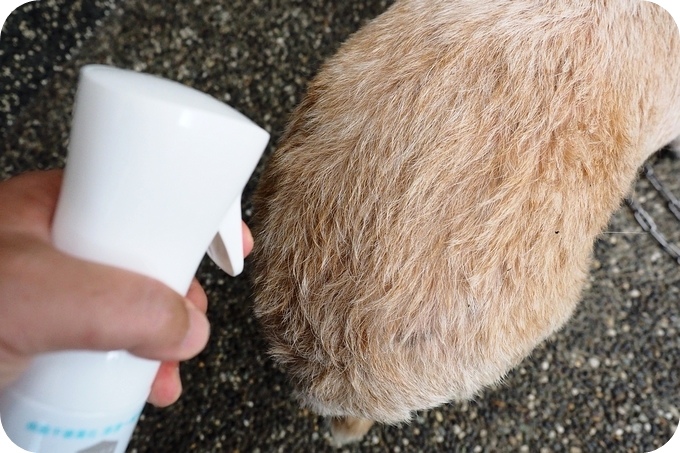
226 249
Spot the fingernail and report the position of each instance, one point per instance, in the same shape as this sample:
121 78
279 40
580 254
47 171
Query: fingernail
248 241
197 336
178 377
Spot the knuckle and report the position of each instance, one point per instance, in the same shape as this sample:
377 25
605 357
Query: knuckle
166 320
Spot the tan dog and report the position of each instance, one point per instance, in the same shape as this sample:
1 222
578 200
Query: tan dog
429 216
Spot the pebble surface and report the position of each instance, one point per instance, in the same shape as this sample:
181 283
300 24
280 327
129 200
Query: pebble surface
608 381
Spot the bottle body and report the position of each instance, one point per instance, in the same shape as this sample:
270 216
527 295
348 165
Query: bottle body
38 428
77 402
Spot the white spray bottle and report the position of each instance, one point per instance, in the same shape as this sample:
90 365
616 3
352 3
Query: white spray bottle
153 179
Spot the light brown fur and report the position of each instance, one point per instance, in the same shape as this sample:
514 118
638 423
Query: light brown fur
429 215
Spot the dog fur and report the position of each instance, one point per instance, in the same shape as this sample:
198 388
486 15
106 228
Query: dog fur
429 215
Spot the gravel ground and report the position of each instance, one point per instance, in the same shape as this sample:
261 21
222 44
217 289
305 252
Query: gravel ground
607 382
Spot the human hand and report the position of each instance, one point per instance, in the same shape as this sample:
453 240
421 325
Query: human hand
51 301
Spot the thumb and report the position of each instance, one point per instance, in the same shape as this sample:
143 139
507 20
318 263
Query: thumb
61 302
